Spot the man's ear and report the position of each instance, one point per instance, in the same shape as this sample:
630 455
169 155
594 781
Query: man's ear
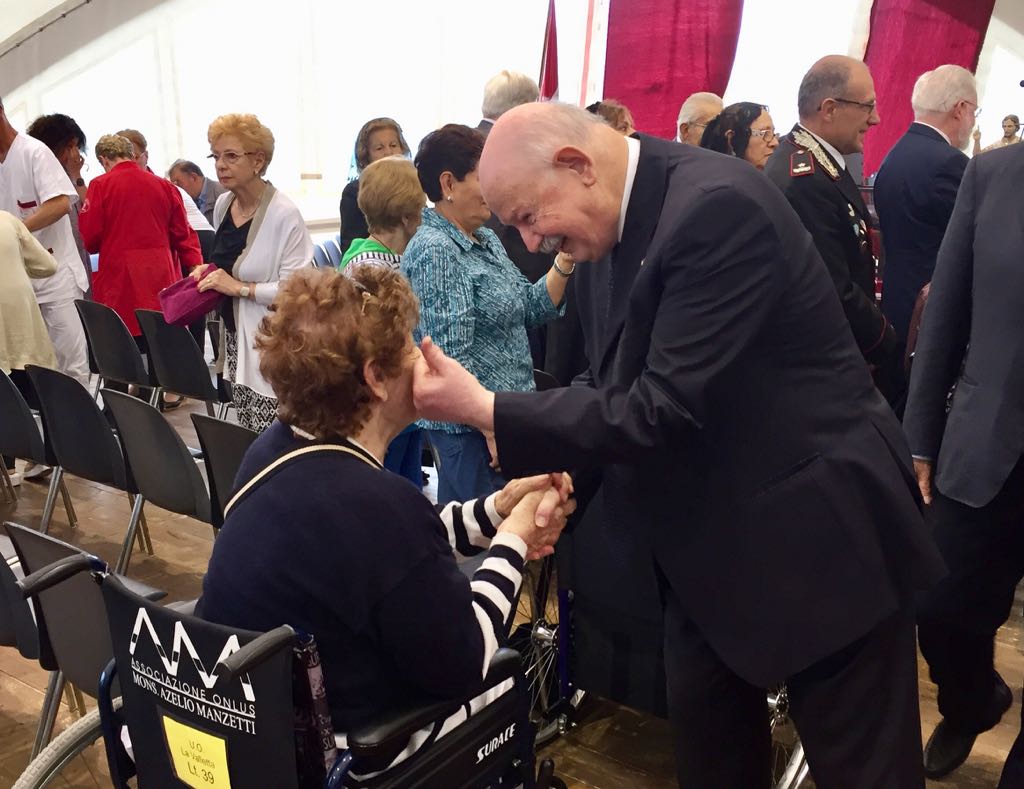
572 158
371 374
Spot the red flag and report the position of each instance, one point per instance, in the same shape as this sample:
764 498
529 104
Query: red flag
549 60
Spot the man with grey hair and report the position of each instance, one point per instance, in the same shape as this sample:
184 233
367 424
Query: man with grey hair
917 186
502 92
729 414
186 175
836 102
694 115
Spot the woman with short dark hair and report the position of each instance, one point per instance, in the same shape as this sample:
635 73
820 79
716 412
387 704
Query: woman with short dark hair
474 302
744 130
377 139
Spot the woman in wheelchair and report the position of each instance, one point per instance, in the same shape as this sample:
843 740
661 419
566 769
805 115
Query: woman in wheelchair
319 536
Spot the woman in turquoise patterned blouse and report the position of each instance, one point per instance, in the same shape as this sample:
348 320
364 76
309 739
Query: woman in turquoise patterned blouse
474 303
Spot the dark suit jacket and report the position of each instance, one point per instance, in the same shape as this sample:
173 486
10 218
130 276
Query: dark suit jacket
834 213
914 195
971 336
737 422
214 189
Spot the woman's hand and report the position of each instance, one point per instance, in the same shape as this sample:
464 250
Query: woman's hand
540 540
222 282
508 497
198 271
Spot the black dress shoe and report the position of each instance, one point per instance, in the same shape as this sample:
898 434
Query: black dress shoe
949 747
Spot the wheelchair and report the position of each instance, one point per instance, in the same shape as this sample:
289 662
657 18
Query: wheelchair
212 706
560 632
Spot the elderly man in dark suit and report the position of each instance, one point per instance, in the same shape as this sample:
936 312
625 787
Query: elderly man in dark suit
971 339
836 102
916 186
738 427
188 176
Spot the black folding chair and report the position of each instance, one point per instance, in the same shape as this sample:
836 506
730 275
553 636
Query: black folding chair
224 445
20 438
178 363
72 624
113 348
84 445
160 464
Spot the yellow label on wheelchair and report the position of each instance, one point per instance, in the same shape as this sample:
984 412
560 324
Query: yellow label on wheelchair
200 759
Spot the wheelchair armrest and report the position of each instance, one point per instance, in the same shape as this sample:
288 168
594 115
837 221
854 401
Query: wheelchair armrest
60 570
376 744
151 593
184 607
256 651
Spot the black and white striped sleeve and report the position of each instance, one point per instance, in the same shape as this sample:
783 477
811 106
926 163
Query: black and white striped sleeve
495 586
471 525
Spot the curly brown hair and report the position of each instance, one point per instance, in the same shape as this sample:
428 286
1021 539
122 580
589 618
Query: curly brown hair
319 333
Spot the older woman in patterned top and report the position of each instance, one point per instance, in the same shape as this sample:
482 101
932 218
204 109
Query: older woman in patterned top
474 303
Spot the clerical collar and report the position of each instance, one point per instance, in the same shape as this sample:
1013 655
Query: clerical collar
944 135
840 159
633 158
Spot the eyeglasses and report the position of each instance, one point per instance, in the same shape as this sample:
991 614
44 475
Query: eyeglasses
765 134
868 105
231 157
977 109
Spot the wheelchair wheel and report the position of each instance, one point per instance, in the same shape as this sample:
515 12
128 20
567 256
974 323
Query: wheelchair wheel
62 749
789 765
541 642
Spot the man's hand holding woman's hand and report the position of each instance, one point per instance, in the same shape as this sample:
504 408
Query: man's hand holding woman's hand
537 509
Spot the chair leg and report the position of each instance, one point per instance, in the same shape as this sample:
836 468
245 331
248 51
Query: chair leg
51 498
69 507
145 542
69 693
129 538
155 397
96 391
209 408
10 494
51 704
222 411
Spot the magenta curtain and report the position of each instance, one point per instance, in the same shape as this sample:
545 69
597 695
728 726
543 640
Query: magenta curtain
661 51
909 37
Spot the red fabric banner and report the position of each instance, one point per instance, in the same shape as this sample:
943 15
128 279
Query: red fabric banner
661 51
548 81
908 38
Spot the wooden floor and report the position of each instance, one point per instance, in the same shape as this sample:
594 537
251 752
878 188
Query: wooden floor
612 747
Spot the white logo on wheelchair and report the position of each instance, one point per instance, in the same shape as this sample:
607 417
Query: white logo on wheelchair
495 743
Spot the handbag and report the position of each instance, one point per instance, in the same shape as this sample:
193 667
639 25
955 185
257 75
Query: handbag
183 303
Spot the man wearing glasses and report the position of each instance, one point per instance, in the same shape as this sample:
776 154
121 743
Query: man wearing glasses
836 103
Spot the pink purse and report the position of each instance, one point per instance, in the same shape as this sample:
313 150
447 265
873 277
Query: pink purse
182 303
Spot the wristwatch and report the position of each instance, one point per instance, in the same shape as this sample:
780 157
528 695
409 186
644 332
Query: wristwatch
244 292
79 181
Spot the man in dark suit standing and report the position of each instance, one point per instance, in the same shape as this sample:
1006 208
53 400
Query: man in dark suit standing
737 425
187 175
837 107
917 184
971 338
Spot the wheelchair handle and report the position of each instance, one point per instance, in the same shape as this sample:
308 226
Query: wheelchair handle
256 651
62 569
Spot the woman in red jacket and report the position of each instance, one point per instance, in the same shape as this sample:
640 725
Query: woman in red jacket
136 221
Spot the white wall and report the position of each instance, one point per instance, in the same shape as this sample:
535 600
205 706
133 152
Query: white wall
1001 68
314 75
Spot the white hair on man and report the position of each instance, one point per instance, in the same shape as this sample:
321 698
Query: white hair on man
507 90
940 90
694 114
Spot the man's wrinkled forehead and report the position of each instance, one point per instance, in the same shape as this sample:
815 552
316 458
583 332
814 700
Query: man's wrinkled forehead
503 179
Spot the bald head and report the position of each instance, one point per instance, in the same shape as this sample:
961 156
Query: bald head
556 173
836 101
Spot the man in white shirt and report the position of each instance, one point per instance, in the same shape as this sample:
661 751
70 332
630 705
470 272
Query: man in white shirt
36 189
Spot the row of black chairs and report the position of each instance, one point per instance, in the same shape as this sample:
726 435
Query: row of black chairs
176 362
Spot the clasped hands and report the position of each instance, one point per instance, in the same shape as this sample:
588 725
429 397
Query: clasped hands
535 509
218 280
